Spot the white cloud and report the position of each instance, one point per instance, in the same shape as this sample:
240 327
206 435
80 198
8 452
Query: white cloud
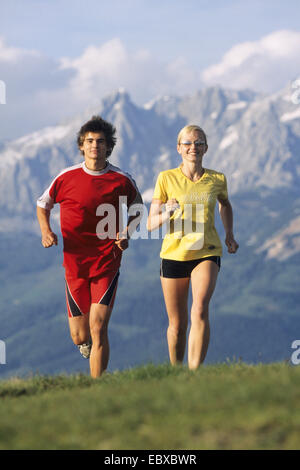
100 70
102 65
34 87
264 65
42 91
12 54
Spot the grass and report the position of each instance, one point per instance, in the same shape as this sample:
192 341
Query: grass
224 406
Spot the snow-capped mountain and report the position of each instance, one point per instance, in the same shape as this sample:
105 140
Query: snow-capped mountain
254 139
285 243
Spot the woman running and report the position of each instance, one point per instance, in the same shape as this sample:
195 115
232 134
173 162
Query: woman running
191 250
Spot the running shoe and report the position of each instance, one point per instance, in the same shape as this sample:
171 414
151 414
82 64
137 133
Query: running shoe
85 349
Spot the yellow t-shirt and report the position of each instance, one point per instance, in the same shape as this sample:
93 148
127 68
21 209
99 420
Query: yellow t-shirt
191 233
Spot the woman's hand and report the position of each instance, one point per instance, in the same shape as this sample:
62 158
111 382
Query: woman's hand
231 244
171 206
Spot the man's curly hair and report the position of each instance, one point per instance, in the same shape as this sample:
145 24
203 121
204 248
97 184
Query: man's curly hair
97 124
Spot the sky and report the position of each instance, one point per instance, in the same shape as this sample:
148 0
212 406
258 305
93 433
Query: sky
61 57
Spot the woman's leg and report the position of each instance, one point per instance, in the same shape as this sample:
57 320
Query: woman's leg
176 299
203 280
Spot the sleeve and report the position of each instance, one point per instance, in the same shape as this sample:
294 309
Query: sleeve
160 190
134 196
223 193
48 198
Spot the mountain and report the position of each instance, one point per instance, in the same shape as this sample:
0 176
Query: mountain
253 138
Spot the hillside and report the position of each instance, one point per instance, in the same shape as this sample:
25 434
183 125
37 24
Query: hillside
225 406
255 309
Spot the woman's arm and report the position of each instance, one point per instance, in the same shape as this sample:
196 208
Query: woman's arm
156 216
226 213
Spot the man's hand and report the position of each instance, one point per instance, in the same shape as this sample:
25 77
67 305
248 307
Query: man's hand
122 241
49 239
231 244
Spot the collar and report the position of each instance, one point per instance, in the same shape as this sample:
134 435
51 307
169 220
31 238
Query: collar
96 172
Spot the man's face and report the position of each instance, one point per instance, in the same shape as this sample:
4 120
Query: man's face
94 147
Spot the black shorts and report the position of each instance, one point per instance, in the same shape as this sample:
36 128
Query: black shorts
178 269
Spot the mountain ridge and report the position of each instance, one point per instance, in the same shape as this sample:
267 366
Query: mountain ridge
261 148
254 139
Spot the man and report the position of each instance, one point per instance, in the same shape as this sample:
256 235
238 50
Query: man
92 255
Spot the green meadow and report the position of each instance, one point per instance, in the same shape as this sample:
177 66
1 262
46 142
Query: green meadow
218 407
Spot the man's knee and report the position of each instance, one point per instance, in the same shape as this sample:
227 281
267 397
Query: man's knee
99 319
99 330
79 329
80 337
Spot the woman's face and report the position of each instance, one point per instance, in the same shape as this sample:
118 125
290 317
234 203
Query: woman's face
192 146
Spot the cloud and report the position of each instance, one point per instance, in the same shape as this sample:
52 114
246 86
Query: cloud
264 65
9 54
35 88
42 91
99 70
98 67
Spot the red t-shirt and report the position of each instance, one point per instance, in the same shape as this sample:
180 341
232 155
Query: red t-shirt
86 198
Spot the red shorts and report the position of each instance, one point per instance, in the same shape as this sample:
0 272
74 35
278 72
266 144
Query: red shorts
81 293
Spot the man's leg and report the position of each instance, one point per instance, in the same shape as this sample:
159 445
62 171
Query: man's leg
78 306
98 321
80 329
103 293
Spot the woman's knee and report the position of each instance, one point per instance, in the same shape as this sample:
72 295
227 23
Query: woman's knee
177 329
200 311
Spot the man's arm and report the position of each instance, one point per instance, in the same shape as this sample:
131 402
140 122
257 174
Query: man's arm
133 221
49 238
226 214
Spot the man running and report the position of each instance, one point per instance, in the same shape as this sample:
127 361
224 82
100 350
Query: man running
89 195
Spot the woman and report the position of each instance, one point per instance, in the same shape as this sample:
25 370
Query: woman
191 248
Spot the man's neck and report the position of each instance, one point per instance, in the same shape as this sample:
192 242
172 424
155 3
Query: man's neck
95 165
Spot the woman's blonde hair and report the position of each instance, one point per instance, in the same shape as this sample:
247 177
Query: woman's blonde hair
191 128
